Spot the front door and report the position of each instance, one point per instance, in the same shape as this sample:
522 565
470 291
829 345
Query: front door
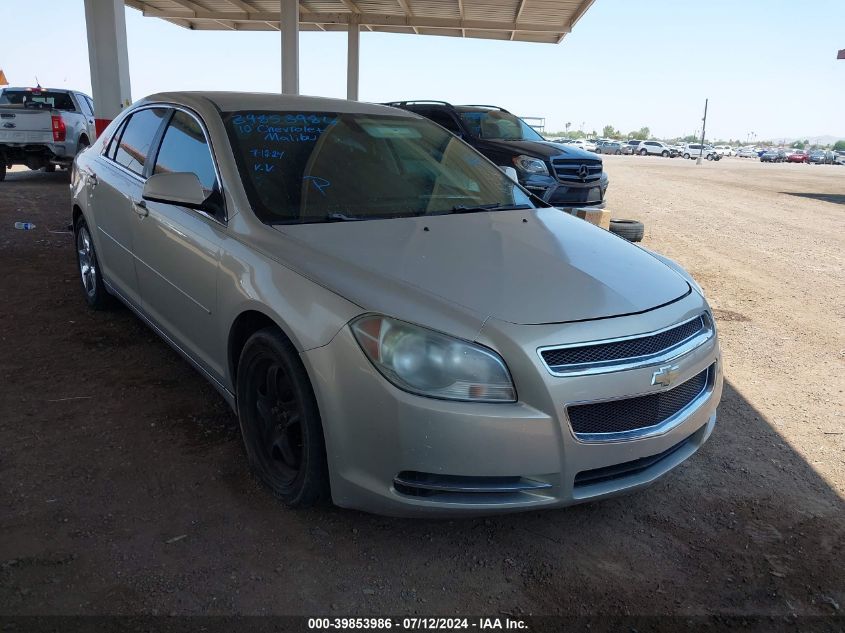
178 249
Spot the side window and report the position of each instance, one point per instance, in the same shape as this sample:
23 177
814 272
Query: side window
444 119
84 105
111 148
137 137
184 148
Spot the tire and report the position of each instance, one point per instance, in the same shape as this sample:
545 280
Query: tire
49 169
631 230
686 156
93 288
618 152
2 170
665 154
643 152
280 421
710 157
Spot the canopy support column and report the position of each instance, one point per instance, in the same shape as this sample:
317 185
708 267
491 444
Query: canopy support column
108 58
353 62
289 29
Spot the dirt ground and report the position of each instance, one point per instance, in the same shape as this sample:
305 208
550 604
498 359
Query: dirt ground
124 488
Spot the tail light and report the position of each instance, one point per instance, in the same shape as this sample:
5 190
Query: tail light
59 128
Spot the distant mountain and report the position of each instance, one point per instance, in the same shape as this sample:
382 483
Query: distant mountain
826 139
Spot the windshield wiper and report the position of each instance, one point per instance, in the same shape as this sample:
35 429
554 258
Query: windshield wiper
342 217
480 208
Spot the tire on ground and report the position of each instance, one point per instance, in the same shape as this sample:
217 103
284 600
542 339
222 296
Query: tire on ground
631 230
268 352
96 296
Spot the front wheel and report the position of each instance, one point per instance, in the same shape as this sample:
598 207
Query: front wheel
665 154
96 295
686 156
280 421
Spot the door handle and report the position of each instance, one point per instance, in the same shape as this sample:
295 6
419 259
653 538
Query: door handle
140 207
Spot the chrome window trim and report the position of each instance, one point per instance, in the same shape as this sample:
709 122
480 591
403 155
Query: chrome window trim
647 431
602 367
174 106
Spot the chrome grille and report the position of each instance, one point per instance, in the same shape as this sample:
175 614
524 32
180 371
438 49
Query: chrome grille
639 412
568 169
562 358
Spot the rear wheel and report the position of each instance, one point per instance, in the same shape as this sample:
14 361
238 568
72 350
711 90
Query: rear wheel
280 421
643 152
618 152
665 154
686 156
96 295
631 230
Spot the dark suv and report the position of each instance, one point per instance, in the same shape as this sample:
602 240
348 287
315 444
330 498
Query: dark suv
562 175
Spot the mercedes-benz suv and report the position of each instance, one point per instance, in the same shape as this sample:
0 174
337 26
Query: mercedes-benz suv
561 174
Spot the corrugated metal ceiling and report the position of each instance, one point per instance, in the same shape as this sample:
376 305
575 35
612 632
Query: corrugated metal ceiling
521 20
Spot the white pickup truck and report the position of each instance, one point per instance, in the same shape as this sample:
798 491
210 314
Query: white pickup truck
43 127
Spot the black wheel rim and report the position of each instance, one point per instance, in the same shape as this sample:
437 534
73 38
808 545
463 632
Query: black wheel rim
276 414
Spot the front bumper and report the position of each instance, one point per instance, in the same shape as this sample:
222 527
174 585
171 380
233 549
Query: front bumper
568 194
396 453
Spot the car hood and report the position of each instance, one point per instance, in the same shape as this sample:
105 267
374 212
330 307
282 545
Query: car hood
527 267
539 149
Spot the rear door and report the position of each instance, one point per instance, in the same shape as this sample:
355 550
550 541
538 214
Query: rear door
178 249
87 108
120 173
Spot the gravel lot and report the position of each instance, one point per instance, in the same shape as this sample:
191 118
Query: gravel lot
124 489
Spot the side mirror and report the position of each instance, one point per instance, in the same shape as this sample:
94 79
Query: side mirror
182 188
510 172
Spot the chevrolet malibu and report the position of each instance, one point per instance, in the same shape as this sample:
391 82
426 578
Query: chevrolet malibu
399 326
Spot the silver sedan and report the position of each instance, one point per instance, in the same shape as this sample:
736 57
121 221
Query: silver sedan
398 325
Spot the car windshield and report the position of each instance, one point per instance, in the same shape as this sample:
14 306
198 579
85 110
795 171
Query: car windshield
306 167
37 99
498 125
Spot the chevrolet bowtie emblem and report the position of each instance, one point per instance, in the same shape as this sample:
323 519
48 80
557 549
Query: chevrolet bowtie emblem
665 375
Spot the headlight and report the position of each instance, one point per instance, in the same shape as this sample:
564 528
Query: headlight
530 165
431 364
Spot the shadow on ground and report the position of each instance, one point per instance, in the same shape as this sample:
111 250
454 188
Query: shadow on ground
835 198
125 491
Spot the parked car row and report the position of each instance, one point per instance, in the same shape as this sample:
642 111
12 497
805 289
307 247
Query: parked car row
792 155
651 147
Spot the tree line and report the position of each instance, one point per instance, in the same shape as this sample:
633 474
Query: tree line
644 133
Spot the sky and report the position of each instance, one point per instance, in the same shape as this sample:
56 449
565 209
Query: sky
768 67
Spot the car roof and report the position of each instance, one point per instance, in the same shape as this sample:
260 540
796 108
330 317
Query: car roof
234 101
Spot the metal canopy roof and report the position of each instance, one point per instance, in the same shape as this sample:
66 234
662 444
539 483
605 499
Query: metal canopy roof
546 21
